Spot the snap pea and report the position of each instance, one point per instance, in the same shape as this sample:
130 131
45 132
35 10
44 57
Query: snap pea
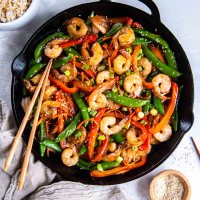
147 106
83 164
83 150
82 106
158 105
34 70
59 62
42 136
140 40
125 101
71 128
108 165
51 144
152 36
72 51
111 32
118 138
171 61
159 64
40 46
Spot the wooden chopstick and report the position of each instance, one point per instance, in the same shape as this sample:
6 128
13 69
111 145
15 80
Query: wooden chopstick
196 147
33 130
24 122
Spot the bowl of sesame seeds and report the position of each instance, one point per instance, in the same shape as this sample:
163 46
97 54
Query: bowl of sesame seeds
15 14
170 185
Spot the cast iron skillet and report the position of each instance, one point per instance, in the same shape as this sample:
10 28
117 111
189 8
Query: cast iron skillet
151 23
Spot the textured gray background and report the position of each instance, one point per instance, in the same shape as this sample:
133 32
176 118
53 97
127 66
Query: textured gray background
182 18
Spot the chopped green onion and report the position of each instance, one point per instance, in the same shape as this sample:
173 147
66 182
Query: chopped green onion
135 148
153 112
93 113
87 83
67 73
140 115
143 122
99 167
120 82
140 55
125 109
140 68
114 89
129 50
101 68
101 137
92 81
112 75
86 66
119 159
128 72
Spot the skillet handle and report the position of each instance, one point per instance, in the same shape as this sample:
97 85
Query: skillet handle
18 65
187 122
150 4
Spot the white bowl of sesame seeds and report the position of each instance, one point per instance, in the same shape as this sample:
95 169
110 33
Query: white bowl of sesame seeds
170 185
15 14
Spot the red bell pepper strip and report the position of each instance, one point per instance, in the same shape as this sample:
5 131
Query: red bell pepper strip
148 85
137 25
102 149
118 170
169 111
145 145
90 38
126 20
137 124
157 52
61 122
82 87
92 135
61 85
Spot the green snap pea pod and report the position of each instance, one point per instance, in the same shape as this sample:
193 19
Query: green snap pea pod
42 136
140 40
34 70
83 150
147 106
40 46
71 128
51 144
72 51
111 32
171 61
169 55
158 105
82 106
152 75
168 70
125 101
175 116
83 164
59 62
109 165
152 36
118 138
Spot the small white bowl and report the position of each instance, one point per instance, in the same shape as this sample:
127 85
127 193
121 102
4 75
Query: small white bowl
24 19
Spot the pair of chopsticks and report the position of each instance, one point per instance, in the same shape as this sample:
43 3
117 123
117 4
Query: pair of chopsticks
41 87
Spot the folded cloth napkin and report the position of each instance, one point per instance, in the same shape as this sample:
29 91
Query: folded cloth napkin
39 177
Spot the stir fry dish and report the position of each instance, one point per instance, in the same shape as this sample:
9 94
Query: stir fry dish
111 94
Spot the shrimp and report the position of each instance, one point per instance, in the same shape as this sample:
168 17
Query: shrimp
133 84
75 140
28 86
164 134
70 157
108 125
112 146
97 53
102 76
36 79
77 27
98 100
122 63
111 105
146 66
46 104
126 36
71 69
100 23
112 156
132 137
49 91
128 155
52 49
161 85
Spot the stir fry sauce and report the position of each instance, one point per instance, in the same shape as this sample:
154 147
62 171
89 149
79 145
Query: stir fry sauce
111 94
